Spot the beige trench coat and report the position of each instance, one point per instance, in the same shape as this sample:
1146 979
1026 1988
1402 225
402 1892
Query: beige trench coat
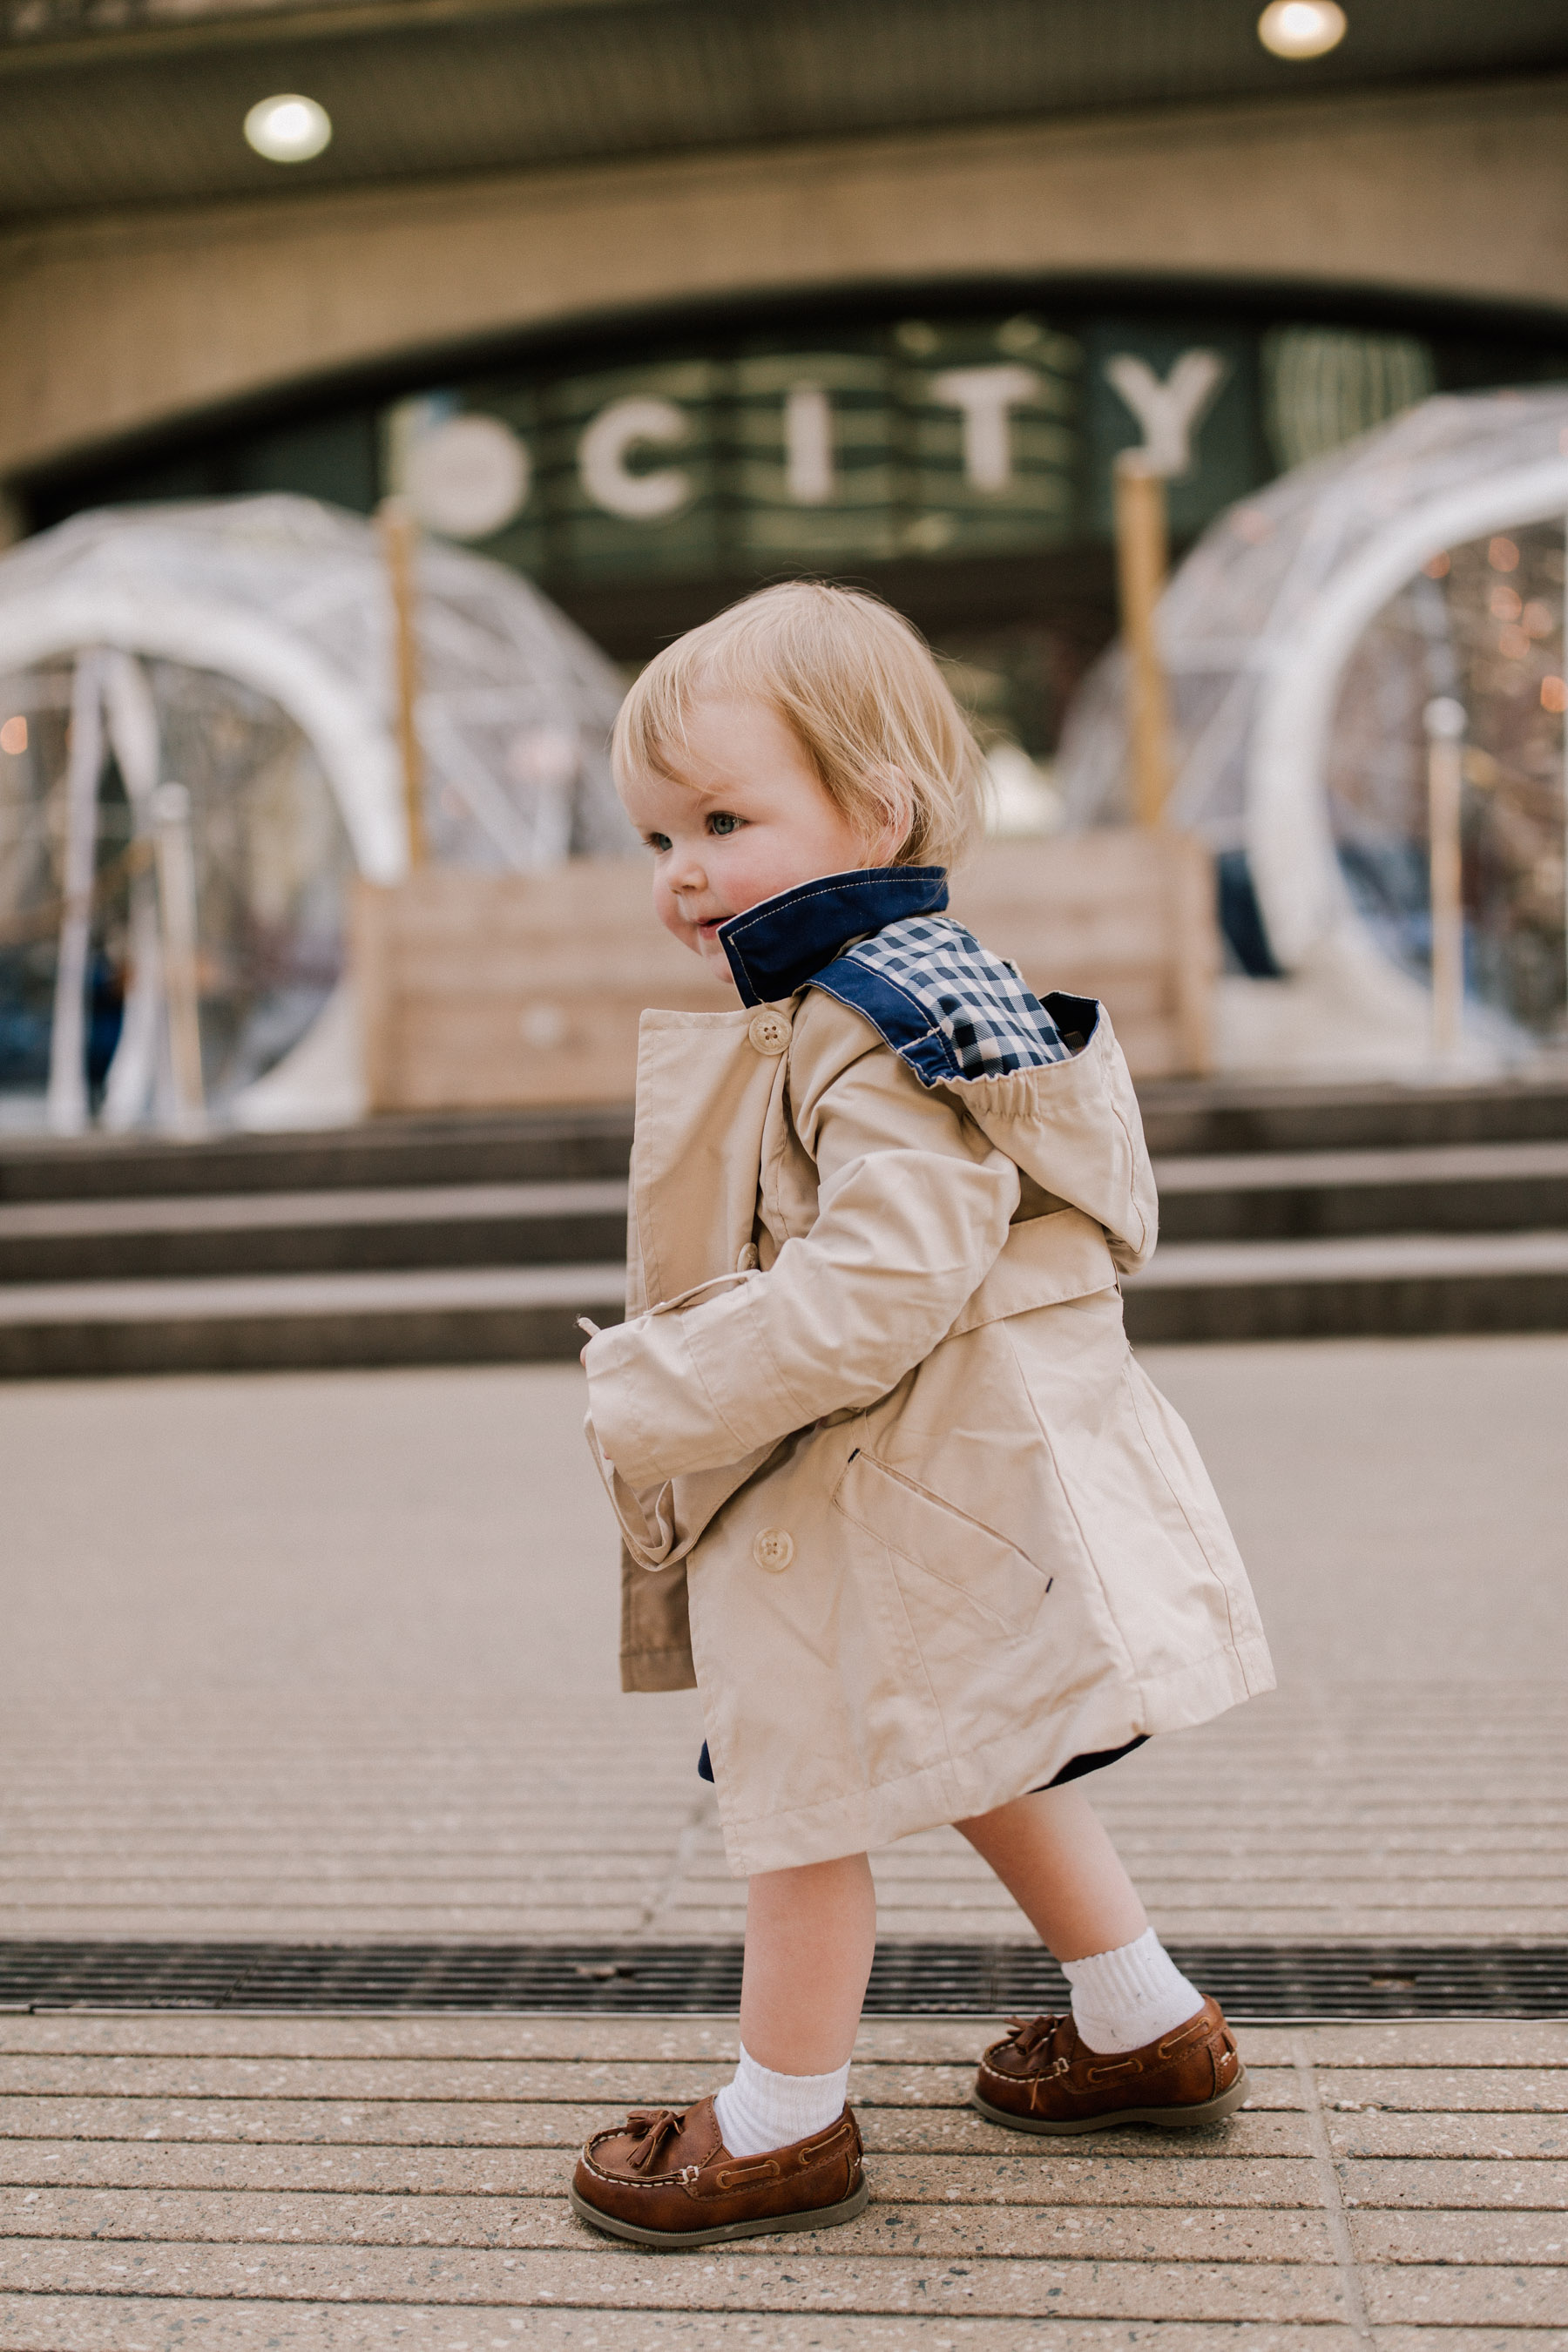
873 1430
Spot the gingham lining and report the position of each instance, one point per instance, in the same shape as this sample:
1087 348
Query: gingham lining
991 1021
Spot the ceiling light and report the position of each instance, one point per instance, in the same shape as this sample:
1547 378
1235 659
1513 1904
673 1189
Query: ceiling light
1301 28
287 130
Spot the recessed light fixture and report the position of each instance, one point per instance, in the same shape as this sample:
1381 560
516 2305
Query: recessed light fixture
1301 28
287 130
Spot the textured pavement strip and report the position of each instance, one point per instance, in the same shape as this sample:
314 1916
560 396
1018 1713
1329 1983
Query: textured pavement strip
1284 2228
309 1656
1436 1814
327 1677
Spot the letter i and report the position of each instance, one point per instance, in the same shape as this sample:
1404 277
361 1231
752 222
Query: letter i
808 444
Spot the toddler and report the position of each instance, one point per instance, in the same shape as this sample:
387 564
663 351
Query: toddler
895 1494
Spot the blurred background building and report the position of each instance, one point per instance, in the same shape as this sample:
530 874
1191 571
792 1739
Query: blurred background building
648 302
829 250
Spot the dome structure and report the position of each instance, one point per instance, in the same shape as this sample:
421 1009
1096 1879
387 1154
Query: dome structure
243 650
1305 637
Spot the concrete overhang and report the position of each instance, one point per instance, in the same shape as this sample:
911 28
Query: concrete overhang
109 103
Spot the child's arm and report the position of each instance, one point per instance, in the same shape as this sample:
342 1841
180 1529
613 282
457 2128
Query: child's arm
913 1209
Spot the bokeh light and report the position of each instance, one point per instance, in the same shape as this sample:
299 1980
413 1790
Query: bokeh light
288 129
1301 28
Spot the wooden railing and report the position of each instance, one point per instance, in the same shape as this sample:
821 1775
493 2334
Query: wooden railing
480 991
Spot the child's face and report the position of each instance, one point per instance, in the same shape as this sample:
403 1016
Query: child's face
750 818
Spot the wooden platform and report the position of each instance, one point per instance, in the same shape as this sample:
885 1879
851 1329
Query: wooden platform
491 990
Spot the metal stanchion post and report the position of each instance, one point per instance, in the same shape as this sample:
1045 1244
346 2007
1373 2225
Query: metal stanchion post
399 539
1141 556
1444 722
66 1099
171 813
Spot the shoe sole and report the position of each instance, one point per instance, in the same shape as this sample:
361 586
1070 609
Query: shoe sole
1211 2111
821 2217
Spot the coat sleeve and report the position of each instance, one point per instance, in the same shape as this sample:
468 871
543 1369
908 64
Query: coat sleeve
913 1208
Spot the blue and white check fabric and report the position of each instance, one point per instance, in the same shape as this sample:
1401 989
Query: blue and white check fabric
992 1023
877 939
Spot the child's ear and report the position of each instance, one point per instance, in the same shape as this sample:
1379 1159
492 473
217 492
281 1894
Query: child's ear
897 795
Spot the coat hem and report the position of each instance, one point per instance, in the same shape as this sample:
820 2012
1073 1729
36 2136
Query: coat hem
992 1774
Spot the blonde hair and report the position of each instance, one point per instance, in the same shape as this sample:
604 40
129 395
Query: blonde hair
858 688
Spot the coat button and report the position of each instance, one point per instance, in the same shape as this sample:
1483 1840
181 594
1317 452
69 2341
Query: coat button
773 1549
769 1032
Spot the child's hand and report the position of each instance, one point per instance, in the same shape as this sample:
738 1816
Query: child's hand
585 1323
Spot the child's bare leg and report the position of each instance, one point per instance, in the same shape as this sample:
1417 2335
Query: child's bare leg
1052 1855
810 1938
1055 1859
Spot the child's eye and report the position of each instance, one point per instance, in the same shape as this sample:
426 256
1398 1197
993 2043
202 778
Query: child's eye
722 822
658 842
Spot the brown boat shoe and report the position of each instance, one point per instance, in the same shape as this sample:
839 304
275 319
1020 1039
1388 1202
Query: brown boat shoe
1042 2077
667 2180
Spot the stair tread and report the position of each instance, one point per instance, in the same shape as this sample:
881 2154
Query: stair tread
254 1212
212 1298
1416 1164
1365 1257
1370 1257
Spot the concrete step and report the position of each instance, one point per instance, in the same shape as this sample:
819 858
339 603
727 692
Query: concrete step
1367 1284
1299 1195
1182 1117
1366 1210
334 1231
304 1322
557 1146
1259 1196
505 1148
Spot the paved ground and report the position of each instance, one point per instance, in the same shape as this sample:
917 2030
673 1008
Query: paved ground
323 1657
342 2186
333 1655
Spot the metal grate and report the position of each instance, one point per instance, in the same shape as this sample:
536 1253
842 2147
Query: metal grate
1252 1981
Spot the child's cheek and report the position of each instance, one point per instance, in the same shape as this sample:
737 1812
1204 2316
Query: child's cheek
668 914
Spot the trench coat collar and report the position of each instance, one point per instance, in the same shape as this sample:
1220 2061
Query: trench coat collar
778 945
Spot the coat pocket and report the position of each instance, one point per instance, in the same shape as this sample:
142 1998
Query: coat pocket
947 1563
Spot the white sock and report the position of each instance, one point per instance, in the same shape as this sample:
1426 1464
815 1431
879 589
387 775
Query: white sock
1124 1999
760 2110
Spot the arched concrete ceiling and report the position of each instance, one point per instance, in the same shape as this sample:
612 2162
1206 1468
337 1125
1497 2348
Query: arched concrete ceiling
140 101
111 324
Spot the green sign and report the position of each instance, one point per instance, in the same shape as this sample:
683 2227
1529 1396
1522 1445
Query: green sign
922 438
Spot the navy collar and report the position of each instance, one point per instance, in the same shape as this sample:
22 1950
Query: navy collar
776 947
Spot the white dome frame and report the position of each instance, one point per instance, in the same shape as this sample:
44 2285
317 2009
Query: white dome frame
291 600
358 755
1295 869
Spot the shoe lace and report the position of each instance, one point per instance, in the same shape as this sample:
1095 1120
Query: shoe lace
1032 2034
652 2127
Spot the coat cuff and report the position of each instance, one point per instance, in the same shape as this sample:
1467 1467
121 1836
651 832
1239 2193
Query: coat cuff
659 1400
611 1360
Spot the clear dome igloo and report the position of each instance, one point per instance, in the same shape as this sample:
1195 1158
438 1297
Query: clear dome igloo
244 649
1305 635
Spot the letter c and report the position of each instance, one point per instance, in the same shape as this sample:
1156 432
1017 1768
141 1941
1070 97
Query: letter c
602 459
